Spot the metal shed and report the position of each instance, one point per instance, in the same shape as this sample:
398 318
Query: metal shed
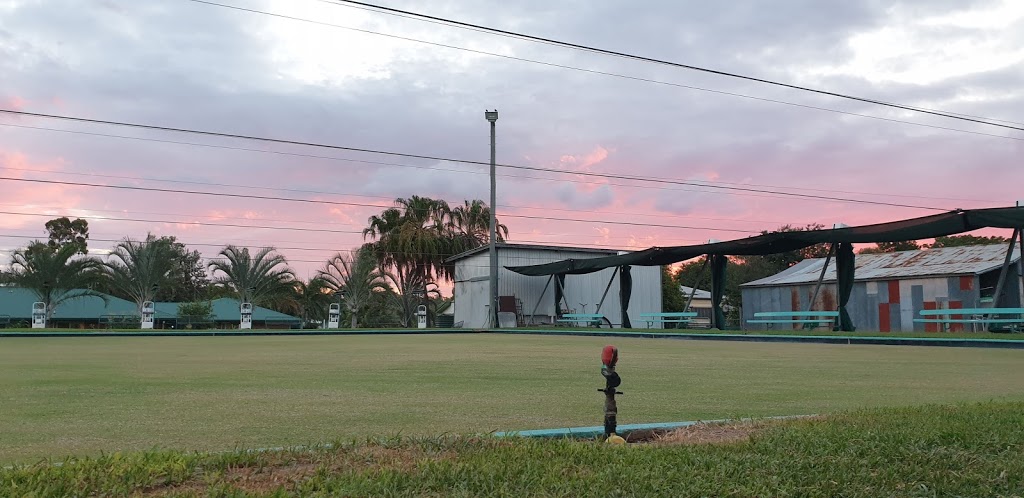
892 288
533 296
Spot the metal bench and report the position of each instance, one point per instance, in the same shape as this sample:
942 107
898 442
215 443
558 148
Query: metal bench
795 317
584 319
1012 318
677 318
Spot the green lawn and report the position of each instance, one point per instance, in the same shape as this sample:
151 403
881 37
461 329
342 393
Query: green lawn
61 396
963 450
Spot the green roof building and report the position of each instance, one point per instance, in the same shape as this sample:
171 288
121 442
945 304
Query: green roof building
93 312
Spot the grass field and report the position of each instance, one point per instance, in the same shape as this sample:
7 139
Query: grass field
964 450
61 396
1005 336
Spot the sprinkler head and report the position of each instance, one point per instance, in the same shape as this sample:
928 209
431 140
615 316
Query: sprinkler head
610 356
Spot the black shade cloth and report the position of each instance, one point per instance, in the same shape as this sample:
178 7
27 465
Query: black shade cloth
845 265
938 225
625 292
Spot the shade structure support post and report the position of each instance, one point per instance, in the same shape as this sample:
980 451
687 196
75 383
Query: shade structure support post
1001 283
845 277
700 278
540 299
561 288
821 276
1020 263
606 288
719 263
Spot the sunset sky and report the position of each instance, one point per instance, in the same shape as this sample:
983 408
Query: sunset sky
187 64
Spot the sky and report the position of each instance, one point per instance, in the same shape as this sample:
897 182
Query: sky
321 72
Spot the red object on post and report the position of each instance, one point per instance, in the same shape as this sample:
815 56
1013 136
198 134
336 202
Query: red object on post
610 356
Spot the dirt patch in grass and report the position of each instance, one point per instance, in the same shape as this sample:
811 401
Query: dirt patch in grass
274 471
710 433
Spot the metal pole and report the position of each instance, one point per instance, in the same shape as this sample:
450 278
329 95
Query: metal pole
610 280
821 277
693 290
545 291
1006 269
492 116
1020 263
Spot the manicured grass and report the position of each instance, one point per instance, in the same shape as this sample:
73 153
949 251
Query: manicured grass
792 332
967 450
81 396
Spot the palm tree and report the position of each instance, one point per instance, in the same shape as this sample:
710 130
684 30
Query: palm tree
411 242
55 275
307 300
357 277
472 223
137 269
469 227
253 279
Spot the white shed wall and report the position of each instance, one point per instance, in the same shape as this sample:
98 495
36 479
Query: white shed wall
472 292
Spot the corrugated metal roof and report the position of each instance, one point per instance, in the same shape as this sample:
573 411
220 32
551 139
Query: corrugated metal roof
701 293
966 260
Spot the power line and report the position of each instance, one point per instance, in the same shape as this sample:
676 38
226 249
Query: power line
281 248
199 223
636 78
435 158
463 171
587 48
290 199
434 168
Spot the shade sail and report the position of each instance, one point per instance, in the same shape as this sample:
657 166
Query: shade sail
927 227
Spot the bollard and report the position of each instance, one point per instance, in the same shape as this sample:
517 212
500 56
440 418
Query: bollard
609 357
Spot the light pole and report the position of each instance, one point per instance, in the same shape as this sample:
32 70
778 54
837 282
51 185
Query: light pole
492 116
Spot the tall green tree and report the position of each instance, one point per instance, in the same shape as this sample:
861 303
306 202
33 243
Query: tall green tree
309 301
137 270
469 227
256 279
672 299
187 280
63 231
55 275
968 240
356 278
884 247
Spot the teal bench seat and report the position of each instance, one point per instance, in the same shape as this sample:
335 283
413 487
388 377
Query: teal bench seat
794 317
1014 317
668 317
583 319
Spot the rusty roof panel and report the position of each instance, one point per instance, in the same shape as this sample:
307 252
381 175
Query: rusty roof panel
947 261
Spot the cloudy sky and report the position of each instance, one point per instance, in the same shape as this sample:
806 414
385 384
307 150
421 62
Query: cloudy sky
317 71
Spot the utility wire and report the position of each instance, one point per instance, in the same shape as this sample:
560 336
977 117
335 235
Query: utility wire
587 48
636 78
280 248
461 171
217 194
464 161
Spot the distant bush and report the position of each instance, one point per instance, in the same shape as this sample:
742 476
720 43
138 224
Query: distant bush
197 312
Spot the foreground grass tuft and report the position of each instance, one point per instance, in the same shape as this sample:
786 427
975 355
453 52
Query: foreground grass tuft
935 450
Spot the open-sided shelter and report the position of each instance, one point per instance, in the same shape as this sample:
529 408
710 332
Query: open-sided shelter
840 238
533 300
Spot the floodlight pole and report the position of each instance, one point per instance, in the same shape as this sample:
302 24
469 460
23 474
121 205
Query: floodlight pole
492 116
